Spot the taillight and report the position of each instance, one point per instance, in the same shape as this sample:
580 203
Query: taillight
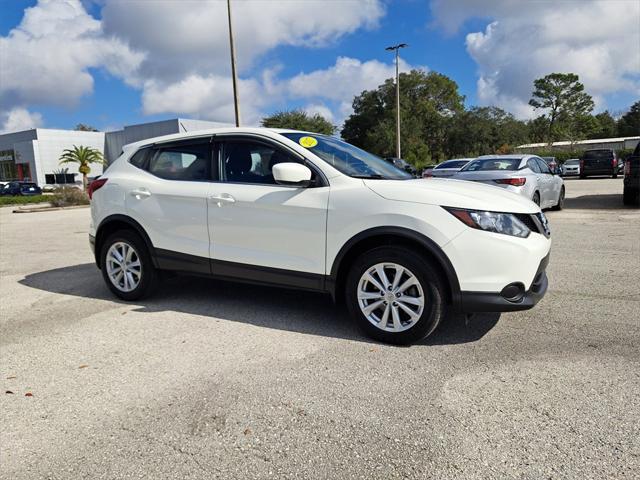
516 182
581 166
427 174
96 185
627 167
615 162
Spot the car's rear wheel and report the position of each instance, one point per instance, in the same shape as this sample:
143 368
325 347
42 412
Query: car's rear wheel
536 198
395 295
126 266
560 204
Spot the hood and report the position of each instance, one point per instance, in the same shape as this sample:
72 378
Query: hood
453 193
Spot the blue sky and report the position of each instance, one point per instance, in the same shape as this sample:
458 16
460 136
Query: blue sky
70 61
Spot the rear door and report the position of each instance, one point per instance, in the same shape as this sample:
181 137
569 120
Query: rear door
169 199
260 229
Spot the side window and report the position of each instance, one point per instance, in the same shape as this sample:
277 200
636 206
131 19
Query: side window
187 162
544 166
251 162
138 159
533 165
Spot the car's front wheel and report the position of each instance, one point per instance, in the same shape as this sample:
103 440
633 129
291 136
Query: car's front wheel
126 266
395 295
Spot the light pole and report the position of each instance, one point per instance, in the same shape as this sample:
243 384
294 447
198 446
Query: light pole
396 48
236 104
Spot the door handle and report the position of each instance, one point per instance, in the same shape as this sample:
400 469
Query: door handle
140 193
222 198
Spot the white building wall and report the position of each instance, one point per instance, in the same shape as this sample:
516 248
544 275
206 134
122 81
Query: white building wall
52 143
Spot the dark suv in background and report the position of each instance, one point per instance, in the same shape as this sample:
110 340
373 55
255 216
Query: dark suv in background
631 191
599 162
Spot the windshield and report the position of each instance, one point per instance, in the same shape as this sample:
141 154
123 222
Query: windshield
346 158
492 164
589 154
572 162
452 164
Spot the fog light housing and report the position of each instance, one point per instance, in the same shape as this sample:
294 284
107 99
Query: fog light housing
513 292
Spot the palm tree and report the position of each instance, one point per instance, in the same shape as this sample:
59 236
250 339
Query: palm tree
83 156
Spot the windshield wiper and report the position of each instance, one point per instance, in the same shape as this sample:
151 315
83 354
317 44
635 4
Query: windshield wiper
373 175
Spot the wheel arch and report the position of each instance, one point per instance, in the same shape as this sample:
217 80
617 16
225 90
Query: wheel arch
379 236
116 222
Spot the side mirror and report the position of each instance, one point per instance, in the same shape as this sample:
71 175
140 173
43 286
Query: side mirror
291 174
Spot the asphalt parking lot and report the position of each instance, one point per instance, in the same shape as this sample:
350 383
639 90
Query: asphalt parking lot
215 380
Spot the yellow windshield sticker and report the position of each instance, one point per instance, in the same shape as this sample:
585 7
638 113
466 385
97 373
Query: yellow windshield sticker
308 142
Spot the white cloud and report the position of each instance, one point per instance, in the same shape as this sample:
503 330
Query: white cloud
596 39
191 37
46 59
320 109
18 119
330 91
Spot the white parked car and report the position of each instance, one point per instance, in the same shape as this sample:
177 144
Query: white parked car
571 167
449 167
309 211
526 175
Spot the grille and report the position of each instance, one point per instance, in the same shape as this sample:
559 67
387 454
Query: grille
536 222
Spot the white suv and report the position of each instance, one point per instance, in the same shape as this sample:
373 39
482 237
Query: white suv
309 211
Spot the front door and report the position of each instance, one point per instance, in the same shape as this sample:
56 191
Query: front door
260 229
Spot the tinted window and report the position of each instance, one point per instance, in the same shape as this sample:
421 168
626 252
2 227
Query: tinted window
250 162
347 158
452 164
598 154
190 162
544 167
492 164
138 158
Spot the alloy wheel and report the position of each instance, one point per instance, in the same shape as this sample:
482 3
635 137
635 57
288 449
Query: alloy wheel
123 266
390 297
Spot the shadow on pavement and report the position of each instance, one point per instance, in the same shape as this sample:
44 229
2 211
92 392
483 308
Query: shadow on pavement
269 307
612 201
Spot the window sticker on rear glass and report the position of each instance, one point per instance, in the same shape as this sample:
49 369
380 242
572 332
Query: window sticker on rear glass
308 142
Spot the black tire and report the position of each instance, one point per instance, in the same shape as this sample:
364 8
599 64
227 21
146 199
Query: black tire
536 198
615 175
148 274
560 204
582 177
435 307
631 197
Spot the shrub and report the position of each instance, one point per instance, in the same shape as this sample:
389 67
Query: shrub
69 196
20 200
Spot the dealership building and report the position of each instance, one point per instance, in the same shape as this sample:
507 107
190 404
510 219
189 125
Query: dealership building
34 154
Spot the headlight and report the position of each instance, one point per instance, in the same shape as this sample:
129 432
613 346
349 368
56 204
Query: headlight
505 223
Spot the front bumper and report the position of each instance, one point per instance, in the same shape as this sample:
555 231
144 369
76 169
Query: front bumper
474 302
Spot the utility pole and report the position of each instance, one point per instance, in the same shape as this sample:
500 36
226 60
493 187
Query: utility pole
236 104
396 48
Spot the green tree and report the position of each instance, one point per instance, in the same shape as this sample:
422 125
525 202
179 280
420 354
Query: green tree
83 157
299 120
563 98
484 130
85 128
629 123
428 104
606 126
538 129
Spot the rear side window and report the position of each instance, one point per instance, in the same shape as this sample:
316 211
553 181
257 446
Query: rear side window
533 165
544 166
187 162
139 158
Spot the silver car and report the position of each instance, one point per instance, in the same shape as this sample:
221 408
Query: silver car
449 167
527 175
571 167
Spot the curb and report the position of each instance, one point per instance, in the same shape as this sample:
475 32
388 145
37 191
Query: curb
47 209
